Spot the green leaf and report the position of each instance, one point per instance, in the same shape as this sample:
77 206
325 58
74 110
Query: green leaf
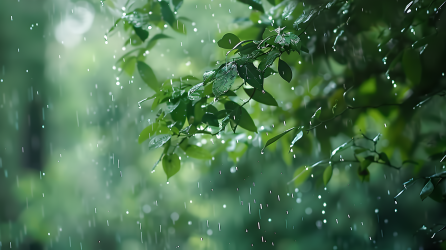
152 42
297 137
171 165
240 116
210 119
129 65
269 59
289 9
427 190
177 4
255 4
147 132
179 27
195 93
159 140
147 75
208 76
277 137
341 148
167 13
269 72
383 157
196 152
412 66
301 175
317 114
115 24
251 75
261 96
328 172
224 79
228 41
142 34
285 71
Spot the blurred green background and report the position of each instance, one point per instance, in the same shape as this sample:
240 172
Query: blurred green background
73 176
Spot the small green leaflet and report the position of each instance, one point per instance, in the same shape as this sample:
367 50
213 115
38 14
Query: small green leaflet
147 75
261 96
328 172
251 75
210 119
317 113
255 4
277 137
208 76
159 140
147 132
171 165
228 41
297 137
179 27
224 79
269 59
129 65
171 106
383 157
427 190
285 71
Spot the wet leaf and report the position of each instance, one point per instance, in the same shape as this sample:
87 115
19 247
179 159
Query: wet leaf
142 34
341 148
269 59
195 93
285 71
158 140
427 190
147 75
255 4
277 137
269 72
208 76
301 175
147 132
328 172
224 79
261 96
289 9
297 137
171 165
316 114
251 75
412 66
228 41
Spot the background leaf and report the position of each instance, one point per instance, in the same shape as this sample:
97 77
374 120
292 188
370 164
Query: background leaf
412 66
256 4
158 140
275 138
301 175
197 152
147 75
177 4
142 34
167 13
148 132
